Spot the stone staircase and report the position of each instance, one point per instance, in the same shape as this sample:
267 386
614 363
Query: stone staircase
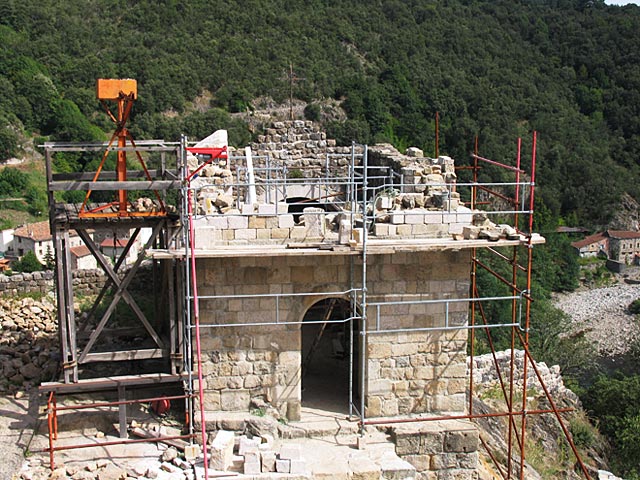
330 446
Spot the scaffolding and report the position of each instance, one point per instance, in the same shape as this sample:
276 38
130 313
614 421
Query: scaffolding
358 189
349 191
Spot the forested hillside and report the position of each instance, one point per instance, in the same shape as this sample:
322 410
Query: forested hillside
501 68
498 69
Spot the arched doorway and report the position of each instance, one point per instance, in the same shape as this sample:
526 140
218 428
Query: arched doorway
329 355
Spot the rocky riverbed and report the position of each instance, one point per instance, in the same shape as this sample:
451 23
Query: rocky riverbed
602 314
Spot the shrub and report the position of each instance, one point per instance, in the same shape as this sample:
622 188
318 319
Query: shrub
634 307
28 263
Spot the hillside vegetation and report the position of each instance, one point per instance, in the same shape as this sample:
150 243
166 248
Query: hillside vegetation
499 69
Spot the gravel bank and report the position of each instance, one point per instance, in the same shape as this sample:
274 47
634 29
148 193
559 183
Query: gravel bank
602 314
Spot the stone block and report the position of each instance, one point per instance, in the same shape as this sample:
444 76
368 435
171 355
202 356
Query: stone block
247 209
283 465
421 463
237 222
344 232
357 235
464 218
191 452
314 222
218 221
267 209
390 407
464 441
290 451
404 230
456 229
470 232
237 400
413 217
294 410
457 474
363 468
396 217
449 218
252 467
379 350
280 233
221 450
268 461
408 445
245 234
298 233
380 387
285 221
248 445
263 234
381 230
394 468
257 222
374 406
272 222
433 218
384 202
282 207
419 229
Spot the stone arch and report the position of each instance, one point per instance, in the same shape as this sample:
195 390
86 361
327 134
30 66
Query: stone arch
326 353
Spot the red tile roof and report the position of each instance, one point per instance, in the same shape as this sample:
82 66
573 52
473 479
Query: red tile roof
623 234
111 243
80 251
595 238
37 232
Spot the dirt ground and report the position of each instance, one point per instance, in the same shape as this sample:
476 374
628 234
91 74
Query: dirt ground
18 418
23 437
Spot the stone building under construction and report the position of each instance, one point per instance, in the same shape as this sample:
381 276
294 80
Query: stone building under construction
299 273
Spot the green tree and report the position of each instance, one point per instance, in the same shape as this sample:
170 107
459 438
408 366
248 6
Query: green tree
614 401
49 259
12 182
28 263
8 140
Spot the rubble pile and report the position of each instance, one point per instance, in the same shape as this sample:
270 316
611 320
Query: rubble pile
486 378
417 198
301 143
28 343
254 455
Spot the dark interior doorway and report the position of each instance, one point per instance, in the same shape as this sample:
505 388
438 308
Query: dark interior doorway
326 355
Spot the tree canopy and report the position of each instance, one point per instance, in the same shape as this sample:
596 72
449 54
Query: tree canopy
493 68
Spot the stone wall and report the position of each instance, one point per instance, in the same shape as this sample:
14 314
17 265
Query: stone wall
302 145
85 282
439 449
407 372
29 347
485 375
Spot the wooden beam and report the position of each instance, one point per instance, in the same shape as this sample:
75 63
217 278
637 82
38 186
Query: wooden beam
106 383
114 186
122 355
141 146
105 175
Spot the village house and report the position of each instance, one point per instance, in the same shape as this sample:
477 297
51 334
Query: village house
37 238
618 245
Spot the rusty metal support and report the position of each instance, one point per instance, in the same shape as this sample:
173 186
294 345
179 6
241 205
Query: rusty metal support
52 422
391 421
